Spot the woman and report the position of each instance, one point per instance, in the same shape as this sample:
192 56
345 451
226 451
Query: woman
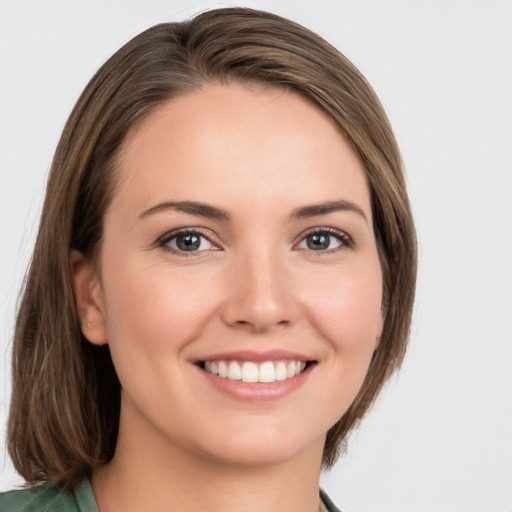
223 277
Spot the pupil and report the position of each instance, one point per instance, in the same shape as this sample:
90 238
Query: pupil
189 242
318 241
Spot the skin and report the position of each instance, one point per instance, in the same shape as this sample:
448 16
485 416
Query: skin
255 284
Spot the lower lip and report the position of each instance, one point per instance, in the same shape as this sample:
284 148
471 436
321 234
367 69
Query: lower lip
257 391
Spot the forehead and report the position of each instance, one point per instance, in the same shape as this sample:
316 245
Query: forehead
244 141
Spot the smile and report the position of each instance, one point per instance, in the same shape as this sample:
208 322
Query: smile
249 371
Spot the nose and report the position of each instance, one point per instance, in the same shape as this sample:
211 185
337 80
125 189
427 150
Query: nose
260 294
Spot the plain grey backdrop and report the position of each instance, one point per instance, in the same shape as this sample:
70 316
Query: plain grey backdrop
439 438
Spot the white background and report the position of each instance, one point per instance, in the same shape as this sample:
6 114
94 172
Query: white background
440 437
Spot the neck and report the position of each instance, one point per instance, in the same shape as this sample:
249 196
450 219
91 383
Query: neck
143 476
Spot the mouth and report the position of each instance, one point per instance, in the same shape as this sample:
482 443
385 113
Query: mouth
255 372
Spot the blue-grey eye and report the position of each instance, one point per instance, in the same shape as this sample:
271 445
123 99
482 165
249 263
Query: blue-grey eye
189 242
320 241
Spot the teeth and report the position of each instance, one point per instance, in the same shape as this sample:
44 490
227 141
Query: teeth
223 369
281 371
248 371
234 371
267 372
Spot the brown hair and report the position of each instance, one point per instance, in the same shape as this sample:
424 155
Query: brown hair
65 402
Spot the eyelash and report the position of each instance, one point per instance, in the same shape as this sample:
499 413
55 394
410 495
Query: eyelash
345 240
168 237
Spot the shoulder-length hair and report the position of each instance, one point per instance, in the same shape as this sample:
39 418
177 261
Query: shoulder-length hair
65 404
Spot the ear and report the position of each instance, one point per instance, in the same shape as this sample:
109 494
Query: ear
88 299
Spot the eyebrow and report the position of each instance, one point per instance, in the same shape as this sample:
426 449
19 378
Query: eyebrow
313 210
212 212
192 207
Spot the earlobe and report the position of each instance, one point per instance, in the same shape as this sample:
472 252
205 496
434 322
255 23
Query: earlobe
88 298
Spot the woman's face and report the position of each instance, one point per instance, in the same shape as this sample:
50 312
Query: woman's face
240 241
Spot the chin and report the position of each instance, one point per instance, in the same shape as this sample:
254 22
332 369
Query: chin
264 449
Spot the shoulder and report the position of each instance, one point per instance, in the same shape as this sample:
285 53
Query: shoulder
48 499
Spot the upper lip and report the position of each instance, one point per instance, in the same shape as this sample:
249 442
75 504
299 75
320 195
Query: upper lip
255 356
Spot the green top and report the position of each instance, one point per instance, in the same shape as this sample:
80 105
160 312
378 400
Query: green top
51 499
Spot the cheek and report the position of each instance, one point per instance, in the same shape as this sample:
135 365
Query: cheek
346 308
346 311
149 308
153 315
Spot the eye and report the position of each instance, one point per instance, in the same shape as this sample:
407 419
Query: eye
186 241
325 239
